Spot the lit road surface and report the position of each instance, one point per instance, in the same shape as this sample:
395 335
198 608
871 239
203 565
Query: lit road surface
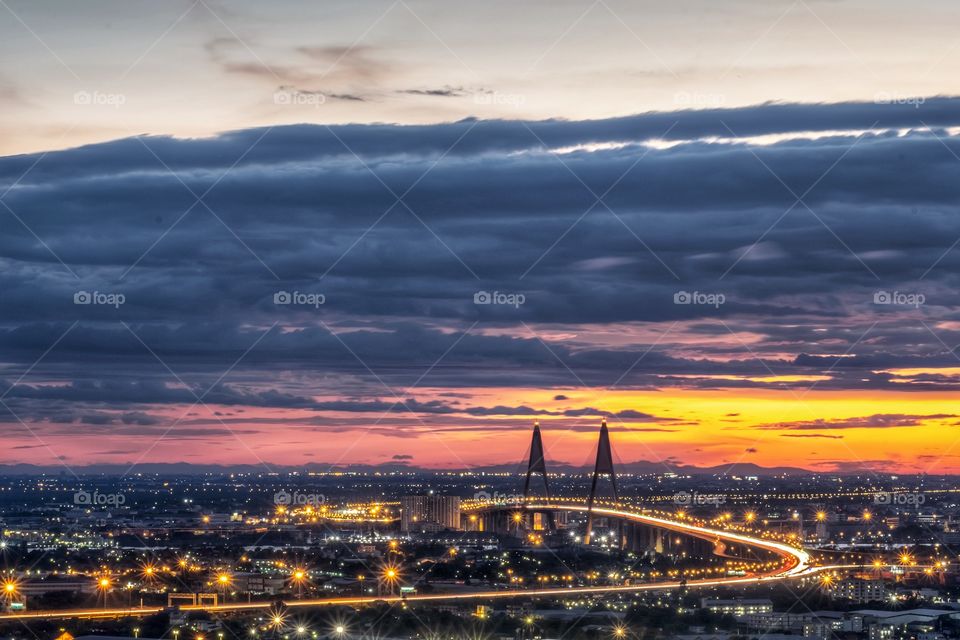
797 564
800 558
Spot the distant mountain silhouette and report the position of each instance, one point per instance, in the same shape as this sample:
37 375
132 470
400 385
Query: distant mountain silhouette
185 468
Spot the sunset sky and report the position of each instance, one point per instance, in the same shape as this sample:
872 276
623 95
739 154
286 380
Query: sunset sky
397 233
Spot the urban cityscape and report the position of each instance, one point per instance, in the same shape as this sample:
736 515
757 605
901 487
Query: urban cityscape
446 320
478 554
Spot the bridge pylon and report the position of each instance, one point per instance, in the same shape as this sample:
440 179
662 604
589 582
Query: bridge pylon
603 466
538 464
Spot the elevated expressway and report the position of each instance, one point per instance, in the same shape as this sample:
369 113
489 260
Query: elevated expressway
796 562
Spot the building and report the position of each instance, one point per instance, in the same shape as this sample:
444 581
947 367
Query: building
38 587
259 583
812 624
859 590
906 616
776 620
817 631
738 606
881 632
429 513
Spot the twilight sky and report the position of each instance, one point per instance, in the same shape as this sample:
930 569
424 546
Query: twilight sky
376 232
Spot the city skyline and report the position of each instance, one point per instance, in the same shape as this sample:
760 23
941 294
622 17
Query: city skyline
365 235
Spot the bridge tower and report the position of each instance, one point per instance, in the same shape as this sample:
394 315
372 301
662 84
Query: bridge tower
604 465
537 464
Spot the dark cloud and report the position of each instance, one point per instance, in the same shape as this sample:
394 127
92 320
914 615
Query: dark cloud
443 92
876 421
486 206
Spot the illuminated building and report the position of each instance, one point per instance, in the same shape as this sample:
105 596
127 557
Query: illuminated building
429 513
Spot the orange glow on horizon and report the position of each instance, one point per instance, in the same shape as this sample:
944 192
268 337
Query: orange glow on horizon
825 430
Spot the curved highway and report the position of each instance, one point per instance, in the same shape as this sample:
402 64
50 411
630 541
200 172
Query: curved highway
796 563
798 560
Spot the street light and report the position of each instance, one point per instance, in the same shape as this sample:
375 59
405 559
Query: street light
277 619
103 584
390 575
528 621
298 577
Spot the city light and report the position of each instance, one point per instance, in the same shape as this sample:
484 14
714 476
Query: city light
298 578
149 572
277 620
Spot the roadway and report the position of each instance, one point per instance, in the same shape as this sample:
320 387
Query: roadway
796 563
